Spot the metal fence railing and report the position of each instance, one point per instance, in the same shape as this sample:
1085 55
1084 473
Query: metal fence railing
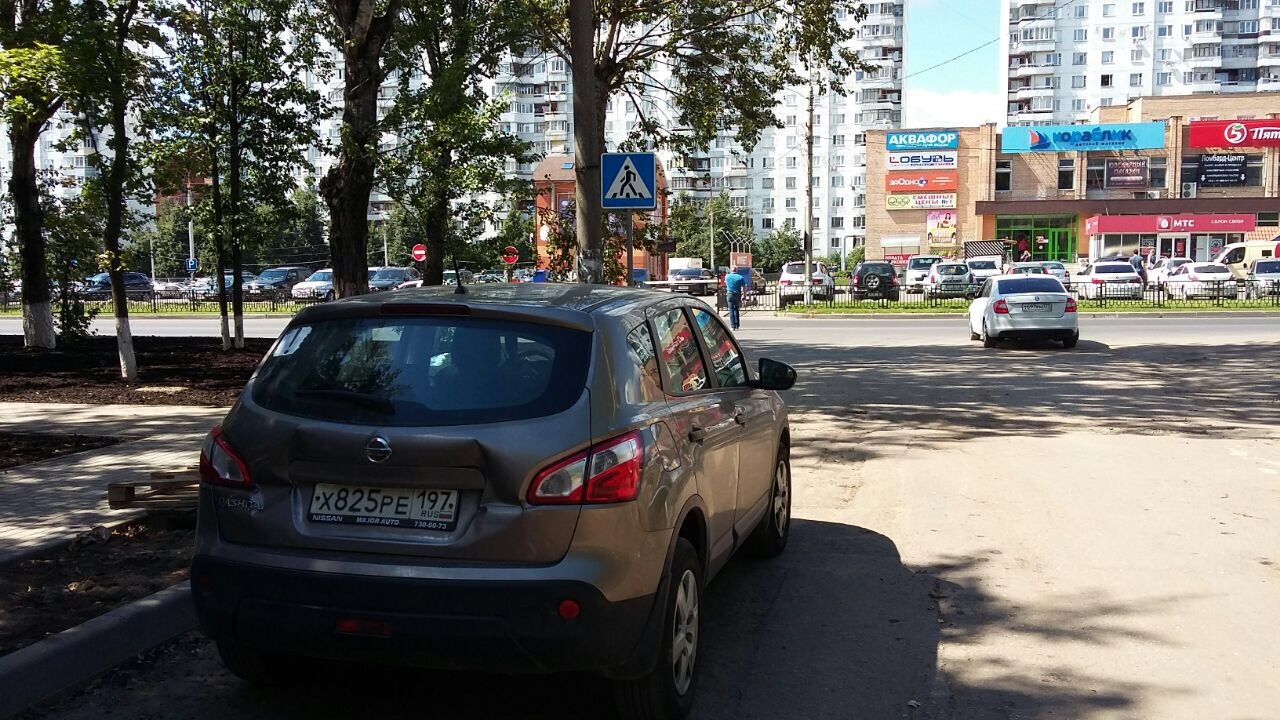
176 303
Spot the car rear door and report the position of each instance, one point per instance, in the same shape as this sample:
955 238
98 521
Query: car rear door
702 415
752 410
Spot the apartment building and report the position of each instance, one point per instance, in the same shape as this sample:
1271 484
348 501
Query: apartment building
1062 60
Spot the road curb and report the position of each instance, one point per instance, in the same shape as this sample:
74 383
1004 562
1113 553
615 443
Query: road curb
74 656
55 542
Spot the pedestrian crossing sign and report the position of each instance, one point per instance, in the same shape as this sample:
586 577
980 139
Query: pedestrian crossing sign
628 181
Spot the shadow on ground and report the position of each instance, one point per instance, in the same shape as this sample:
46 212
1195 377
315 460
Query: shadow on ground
835 628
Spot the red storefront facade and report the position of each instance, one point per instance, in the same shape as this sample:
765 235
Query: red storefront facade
1199 237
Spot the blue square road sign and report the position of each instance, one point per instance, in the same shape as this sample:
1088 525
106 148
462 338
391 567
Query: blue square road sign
628 181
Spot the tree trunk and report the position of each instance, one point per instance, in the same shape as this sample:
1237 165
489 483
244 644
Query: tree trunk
436 222
233 219
116 176
588 138
808 199
37 311
348 184
219 244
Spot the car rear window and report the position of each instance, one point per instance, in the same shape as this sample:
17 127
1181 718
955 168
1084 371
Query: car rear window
953 270
321 276
920 263
1211 269
1267 267
982 264
423 371
878 268
793 269
688 273
1113 269
1030 284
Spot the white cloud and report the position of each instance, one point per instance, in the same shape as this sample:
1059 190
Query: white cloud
951 108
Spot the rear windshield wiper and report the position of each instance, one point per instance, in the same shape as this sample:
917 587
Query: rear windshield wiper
349 396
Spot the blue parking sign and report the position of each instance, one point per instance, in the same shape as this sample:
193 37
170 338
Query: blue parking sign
191 264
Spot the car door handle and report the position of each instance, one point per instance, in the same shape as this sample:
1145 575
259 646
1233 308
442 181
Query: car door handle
697 435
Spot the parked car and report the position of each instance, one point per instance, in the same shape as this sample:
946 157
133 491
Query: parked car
693 281
950 279
1264 278
1058 270
874 280
917 273
547 485
755 279
1162 267
1112 280
1204 280
791 283
1027 268
278 281
390 278
319 286
985 266
1024 307
1240 255
136 286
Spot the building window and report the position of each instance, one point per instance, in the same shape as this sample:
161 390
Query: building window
1082 11
1066 174
1137 32
766 223
1107 81
1135 79
817 222
1109 10
1108 102
1190 168
1158 172
1135 55
1108 33
1080 35
1139 8
815 181
790 121
1165 7
1095 175
1164 31
789 203
837 161
837 119
837 222
1164 78
1078 104
837 181
1164 55
791 162
766 204
790 183
1079 58
789 223
1004 175
1253 171
1077 81
837 202
1269 219
766 183
1108 57
837 140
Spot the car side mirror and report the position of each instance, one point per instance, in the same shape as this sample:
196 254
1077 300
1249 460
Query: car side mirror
774 375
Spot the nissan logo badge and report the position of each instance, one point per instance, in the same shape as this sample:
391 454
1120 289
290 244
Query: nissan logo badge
378 450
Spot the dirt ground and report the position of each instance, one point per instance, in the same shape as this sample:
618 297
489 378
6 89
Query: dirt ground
21 448
98 572
172 371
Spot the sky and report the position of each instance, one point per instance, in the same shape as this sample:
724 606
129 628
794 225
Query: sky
964 91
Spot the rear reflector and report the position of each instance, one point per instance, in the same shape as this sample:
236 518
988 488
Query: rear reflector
356 626
613 475
569 609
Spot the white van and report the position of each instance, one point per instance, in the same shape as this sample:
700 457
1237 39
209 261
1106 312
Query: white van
1239 256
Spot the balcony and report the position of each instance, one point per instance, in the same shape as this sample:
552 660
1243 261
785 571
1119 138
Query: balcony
1031 116
882 41
872 83
1030 91
1269 60
1028 46
1211 61
1030 70
1201 87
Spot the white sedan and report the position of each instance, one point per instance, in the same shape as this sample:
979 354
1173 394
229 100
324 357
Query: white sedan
1207 280
1024 307
1112 280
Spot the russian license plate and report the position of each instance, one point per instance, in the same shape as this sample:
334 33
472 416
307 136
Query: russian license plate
419 508
1036 307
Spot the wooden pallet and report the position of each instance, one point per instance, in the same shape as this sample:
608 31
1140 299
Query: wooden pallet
173 490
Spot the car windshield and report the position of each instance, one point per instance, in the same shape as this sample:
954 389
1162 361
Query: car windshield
953 270
1272 266
982 264
1030 285
272 275
321 276
688 273
424 371
389 274
1113 269
1211 269
921 263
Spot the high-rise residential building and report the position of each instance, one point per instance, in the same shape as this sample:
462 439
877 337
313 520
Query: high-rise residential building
1066 58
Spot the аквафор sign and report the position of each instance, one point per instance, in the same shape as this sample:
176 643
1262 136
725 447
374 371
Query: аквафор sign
1072 138
922 140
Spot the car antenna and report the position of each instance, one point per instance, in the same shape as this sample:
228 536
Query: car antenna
457 278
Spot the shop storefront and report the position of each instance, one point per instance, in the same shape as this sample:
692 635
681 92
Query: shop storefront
1045 237
1199 237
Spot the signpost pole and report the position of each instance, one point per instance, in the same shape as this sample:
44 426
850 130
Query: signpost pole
631 259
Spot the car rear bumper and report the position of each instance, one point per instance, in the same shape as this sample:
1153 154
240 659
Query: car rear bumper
497 626
1034 328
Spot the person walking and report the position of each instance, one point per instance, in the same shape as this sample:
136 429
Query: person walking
1139 266
734 284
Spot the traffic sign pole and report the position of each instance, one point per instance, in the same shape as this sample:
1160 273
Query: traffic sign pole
631 259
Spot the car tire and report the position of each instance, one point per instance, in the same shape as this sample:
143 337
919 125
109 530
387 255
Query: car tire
987 340
771 535
261 667
328 296
659 695
973 335
1071 341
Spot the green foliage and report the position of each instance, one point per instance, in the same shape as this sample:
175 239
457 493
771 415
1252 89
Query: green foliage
690 223
780 246
31 78
167 239
73 252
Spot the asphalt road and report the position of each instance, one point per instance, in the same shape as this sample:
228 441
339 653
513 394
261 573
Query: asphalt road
1023 532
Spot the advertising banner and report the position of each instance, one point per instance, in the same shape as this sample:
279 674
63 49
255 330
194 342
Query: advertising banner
739 259
922 160
933 180
922 140
1071 138
1234 133
921 201
1242 222
941 226
1222 170
897 259
1126 173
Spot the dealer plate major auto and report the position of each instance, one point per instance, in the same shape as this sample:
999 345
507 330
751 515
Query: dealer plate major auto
424 509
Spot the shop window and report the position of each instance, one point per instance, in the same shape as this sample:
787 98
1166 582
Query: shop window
1190 168
1269 219
1004 175
1066 174
1253 171
1159 171
1095 175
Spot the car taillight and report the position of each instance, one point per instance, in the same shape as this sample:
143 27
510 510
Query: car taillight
1136 280
784 282
893 280
220 465
1000 307
1096 280
606 473
817 281
1071 305
933 279
854 281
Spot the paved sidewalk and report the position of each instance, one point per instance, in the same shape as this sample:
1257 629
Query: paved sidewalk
56 499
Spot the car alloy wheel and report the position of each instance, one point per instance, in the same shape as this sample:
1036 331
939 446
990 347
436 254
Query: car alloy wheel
781 500
684 639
